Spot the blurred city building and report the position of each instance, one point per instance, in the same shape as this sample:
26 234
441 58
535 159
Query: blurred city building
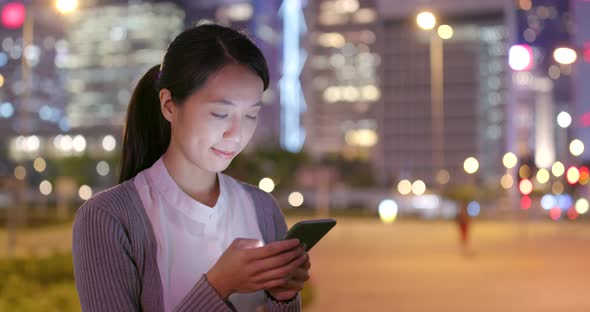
465 55
341 79
106 56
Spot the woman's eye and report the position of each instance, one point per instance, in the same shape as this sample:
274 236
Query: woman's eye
220 116
253 117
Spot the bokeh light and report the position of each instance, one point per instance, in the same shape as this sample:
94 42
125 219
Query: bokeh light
267 185
558 169
388 211
509 160
39 164
507 181
295 199
85 192
418 187
426 20
573 175
543 176
576 147
582 205
471 165
404 187
525 186
45 187
564 119
109 143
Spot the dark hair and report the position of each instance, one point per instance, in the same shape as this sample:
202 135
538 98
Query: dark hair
190 59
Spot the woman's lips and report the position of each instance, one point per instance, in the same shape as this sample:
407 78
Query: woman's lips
223 154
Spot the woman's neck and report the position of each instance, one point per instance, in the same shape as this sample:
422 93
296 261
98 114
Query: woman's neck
194 181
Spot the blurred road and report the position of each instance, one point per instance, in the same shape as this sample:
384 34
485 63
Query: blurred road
417 266
363 265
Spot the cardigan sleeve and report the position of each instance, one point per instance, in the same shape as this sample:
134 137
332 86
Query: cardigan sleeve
105 272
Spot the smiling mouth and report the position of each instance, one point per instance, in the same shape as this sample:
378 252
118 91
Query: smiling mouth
223 154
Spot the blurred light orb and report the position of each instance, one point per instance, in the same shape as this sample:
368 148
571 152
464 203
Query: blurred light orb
520 57
509 160
507 181
103 168
388 211
109 143
526 202
471 165
295 199
267 185
565 56
576 147
543 176
66 6
557 188
548 201
33 143
13 15
445 32
45 187
473 209
418 187
582 206
572 175
426 20
564 119
558 169
79 143
443 177
39 164
525 186
85 192
564 201
524 171
404 187
555 213
20 173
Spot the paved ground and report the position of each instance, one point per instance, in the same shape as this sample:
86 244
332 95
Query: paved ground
415 266
363 265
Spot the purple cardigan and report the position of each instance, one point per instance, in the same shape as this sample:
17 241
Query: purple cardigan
115 262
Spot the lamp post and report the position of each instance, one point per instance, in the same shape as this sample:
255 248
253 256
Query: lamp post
427 21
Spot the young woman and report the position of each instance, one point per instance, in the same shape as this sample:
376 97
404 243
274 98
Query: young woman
176 234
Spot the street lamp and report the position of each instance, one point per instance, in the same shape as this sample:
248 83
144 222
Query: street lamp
427 21
66 6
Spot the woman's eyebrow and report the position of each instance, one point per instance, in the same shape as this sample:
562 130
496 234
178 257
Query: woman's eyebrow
228 102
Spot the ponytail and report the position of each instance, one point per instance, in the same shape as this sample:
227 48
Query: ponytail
147 132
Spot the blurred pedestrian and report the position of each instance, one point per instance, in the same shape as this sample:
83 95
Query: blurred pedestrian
176 234
463 222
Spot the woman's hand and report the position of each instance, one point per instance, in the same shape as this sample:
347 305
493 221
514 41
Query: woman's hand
295 283
244 267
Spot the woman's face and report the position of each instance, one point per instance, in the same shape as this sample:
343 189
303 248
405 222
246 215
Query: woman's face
217 121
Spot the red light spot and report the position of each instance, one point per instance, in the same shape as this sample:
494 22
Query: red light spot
13 15
525 202
587 51
572 214
585 120
555 213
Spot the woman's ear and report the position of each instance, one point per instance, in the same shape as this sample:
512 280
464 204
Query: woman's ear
167 105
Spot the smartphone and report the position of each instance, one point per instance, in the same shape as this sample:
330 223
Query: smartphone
310 232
